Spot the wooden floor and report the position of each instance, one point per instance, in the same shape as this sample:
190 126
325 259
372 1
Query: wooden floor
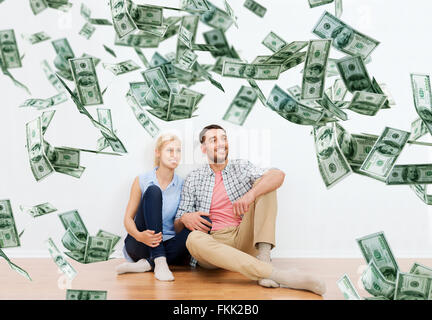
189 284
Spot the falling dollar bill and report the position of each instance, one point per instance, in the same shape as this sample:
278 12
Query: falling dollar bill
141 116
72 294
413 287
375 283
8 232
122 21
274 42
9 52
420 269
189 24
422 94
252 71
315 69
384 153
60 259
354 74
71 242
348 290
255 7
15 267
121 67
366 103
241 106
97 249
105 234
86 81
216 17
316 3
72 219
332 164
410 174
375 247
38 210
36 37
345 38
87 30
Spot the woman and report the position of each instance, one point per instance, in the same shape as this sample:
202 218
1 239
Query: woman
151 242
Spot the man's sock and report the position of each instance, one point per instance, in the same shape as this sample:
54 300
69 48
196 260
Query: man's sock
295 279
140 266
264 255
161 270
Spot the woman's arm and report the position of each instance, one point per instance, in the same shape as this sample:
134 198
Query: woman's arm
132 208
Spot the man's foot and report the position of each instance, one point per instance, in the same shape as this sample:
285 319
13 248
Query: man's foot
161 270
140 266
264 255
294 279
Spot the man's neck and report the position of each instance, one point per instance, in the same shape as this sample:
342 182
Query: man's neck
216 167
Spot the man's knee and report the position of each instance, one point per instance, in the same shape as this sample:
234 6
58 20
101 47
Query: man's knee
193 238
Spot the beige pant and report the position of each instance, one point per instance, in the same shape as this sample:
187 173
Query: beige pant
234 248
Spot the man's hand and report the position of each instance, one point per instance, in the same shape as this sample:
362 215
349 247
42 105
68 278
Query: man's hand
241 206
193 221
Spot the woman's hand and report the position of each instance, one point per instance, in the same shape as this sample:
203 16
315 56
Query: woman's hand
149 238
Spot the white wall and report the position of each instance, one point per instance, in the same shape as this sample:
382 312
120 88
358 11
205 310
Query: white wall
312 221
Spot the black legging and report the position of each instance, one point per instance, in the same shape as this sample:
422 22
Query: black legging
149 216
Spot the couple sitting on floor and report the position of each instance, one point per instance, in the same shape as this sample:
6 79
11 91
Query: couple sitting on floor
223 215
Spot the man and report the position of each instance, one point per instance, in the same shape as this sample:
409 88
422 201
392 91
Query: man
240 200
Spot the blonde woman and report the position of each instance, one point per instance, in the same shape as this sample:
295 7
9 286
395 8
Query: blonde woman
152 242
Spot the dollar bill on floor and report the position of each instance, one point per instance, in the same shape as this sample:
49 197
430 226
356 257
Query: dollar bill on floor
73 294
15 267
347 288
60 259
420 269
345 38
375 282
255 7
241 106
413 287
38 210
385 152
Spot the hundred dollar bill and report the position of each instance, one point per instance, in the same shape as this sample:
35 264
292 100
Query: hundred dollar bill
216 18
87 30
252 71
46 118
413 287
139 90
422 94
104 116
49 73
85 294
385 152
187 59
151 128
418 129
258 91
366 103
72 220
354 74
274 42
185 36
86 81
338 8
63 49
39 163
9 52
375 283
8 232
180 107
230 12
288 108
15 267
241 106
339 90
347 287
374 247
295 92
293 61
156 79
421 192
190 24
37 6
110 51
197 95
122 21
286 52
60 259
64 157
332 164
217 39
142 57
328 105
410 174
154 100
315 69
345 38
139 39
255 7
121 67
419 269
38 210
105 234
146 15
71 242
36 37
97 249
316 3
73 172
45 103
194 5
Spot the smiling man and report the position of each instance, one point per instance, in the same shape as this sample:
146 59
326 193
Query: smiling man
230 206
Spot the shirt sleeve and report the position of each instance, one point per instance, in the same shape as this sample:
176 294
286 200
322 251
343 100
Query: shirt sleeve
187 198
254 172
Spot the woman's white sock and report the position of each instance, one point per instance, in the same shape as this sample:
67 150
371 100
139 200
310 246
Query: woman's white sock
140 266
161 270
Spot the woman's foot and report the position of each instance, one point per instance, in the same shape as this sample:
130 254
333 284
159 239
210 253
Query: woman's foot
161 270
294 279
140 266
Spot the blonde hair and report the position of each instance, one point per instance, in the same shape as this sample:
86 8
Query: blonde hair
160 142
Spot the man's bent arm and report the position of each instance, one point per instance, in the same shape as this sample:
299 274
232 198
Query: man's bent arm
270 180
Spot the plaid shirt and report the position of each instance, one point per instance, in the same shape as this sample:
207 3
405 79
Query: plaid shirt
238 176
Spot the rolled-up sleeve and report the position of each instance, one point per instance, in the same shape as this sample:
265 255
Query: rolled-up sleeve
187 198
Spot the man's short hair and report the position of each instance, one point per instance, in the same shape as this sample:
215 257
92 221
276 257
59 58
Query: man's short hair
204 130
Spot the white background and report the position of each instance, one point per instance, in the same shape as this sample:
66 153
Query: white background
312 221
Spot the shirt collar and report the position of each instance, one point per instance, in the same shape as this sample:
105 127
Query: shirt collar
225 170
154 179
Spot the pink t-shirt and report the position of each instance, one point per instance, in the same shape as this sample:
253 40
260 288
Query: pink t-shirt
221 211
